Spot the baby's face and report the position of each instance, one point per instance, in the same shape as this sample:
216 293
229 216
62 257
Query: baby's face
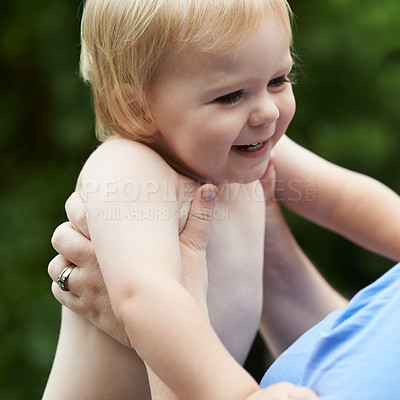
218 116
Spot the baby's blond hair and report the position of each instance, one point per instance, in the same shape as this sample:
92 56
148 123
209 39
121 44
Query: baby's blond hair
123 42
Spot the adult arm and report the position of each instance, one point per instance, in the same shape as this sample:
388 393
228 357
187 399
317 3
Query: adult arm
296 296
349 203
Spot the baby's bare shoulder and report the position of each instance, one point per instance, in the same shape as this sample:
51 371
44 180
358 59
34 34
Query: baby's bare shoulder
124 159
117 151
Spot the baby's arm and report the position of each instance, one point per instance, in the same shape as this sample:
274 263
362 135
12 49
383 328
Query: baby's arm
88 280
87 294
351 204
140 263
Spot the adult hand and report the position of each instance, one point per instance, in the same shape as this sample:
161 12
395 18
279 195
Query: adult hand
87 294
193 243
268 180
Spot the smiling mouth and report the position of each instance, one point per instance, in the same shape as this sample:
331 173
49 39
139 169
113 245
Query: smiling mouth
251 147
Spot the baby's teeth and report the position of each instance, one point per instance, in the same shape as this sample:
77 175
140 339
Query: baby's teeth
249 147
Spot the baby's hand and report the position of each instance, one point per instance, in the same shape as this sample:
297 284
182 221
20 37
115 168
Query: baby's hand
284 391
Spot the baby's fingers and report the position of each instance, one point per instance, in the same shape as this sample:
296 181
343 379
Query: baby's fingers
284 391
303 393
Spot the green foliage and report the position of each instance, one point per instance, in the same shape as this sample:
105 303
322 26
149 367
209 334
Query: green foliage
348 93
46 132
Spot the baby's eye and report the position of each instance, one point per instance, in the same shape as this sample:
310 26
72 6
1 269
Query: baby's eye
279 81
230 98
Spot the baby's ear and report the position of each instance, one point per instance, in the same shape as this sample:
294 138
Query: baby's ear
131 111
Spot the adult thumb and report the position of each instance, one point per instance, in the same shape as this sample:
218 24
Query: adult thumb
198 225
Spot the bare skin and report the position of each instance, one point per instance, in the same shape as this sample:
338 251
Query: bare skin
88 295
239 265
215 118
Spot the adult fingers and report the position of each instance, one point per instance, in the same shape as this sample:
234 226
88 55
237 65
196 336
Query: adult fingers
56 265
85 287
198 226
76 213
66 298
268 180
73 282
73 245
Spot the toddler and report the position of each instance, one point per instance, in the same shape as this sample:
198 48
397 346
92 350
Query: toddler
187 92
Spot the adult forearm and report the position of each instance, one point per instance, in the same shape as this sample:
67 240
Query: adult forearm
296 296
374 211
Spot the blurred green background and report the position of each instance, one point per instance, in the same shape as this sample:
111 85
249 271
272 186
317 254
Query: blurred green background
348 97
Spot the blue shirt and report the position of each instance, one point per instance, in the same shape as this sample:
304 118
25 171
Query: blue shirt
353 353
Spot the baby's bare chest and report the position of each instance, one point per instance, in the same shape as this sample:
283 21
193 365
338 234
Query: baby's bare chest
235 267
